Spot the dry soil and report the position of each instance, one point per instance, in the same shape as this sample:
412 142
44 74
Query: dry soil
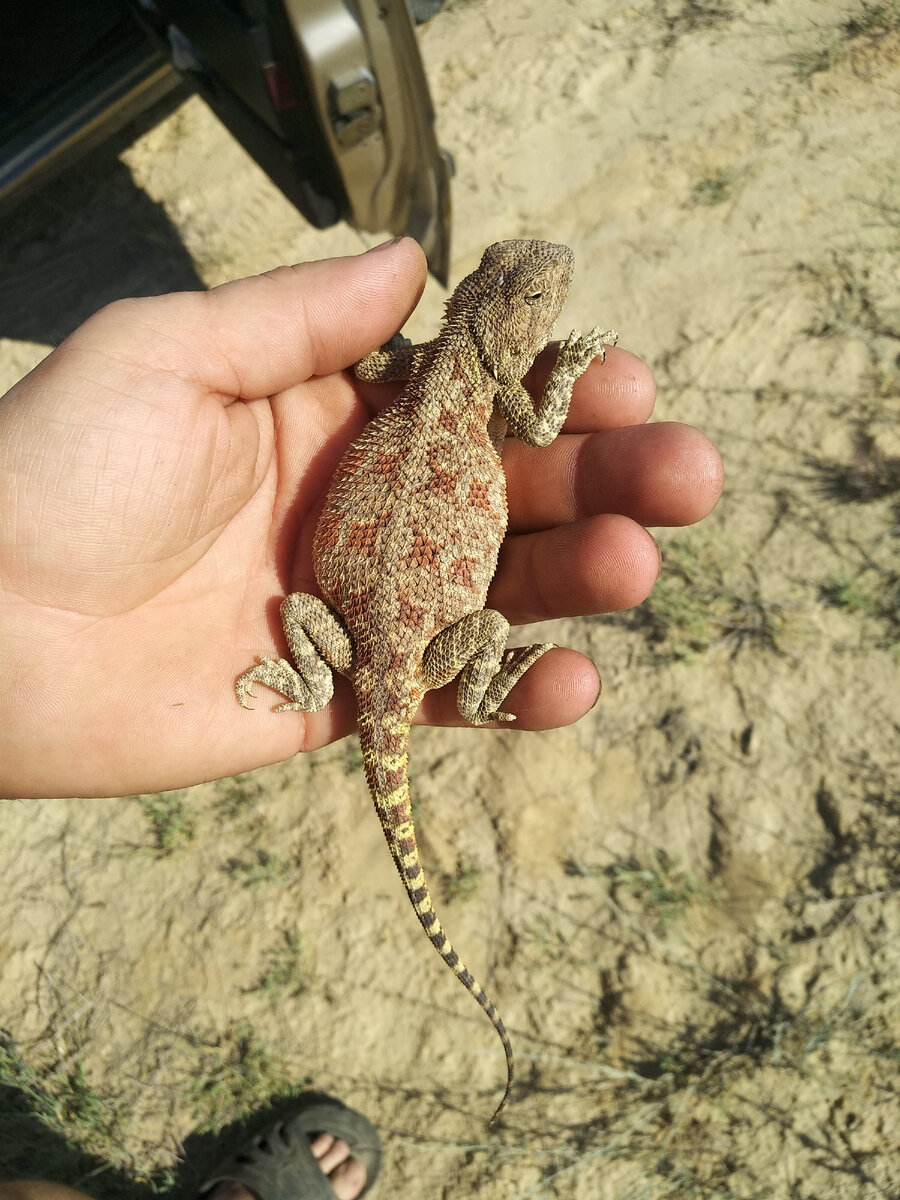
686 905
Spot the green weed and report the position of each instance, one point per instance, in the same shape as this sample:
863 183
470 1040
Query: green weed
283 974
696 605
169 818
268 868
690 16
870 474
62 1101
874 21
238 794
664 889
464 883
873 594
233 1079
851 306
853 594
714 189
823 57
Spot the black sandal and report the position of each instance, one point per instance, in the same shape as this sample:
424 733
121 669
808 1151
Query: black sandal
278 1163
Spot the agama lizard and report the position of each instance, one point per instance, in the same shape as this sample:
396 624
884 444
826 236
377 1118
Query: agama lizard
407 543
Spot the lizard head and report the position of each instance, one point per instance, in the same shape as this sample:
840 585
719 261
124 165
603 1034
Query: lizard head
511 302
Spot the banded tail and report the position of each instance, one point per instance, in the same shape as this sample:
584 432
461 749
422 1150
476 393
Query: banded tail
385 747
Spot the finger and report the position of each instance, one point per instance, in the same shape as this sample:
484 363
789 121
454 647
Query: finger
261 335
619 391
598 564
558 690
331 313
661 474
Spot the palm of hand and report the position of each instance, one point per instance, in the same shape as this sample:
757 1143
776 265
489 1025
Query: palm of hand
149 517
160 476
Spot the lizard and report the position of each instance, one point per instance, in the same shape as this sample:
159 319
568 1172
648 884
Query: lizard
407 542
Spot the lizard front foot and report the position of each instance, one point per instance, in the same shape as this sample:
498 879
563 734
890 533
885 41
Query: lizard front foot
579 350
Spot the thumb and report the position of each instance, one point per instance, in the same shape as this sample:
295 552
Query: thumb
258 336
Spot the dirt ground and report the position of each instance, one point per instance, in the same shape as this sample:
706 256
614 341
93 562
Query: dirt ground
686 905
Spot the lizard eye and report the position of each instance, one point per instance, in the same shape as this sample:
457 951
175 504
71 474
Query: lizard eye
534 297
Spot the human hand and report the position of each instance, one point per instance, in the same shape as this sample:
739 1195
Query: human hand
160 477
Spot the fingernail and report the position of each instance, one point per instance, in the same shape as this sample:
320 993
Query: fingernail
381 245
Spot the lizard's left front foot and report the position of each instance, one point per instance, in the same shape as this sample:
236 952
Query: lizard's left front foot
475 645
579 350
393 360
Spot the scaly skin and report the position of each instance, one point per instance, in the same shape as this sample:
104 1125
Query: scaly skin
407 542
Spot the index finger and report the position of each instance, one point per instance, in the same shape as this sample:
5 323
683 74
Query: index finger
620 391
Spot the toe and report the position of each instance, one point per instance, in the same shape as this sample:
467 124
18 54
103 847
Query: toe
338 1152
321 1144
348 1179
347 1175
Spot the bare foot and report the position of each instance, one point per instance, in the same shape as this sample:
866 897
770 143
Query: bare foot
347 1175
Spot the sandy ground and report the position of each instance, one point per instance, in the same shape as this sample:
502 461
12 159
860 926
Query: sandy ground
686 905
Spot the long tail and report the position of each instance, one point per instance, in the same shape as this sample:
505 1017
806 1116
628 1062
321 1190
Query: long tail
385 747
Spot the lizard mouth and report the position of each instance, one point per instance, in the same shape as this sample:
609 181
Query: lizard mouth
501 379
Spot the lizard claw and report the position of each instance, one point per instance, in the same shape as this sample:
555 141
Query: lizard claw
579 350
279 675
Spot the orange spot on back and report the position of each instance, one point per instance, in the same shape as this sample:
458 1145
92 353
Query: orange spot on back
479 495
462 571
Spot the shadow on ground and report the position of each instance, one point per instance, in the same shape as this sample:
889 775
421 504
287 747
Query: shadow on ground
31 1149
88 237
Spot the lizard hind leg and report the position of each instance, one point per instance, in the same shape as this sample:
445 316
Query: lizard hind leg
319 643
476 646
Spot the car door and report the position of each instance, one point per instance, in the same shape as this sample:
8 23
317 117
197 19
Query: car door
330 97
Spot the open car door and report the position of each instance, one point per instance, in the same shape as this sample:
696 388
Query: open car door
330 98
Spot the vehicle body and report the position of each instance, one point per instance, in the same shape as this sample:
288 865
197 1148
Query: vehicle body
329 97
